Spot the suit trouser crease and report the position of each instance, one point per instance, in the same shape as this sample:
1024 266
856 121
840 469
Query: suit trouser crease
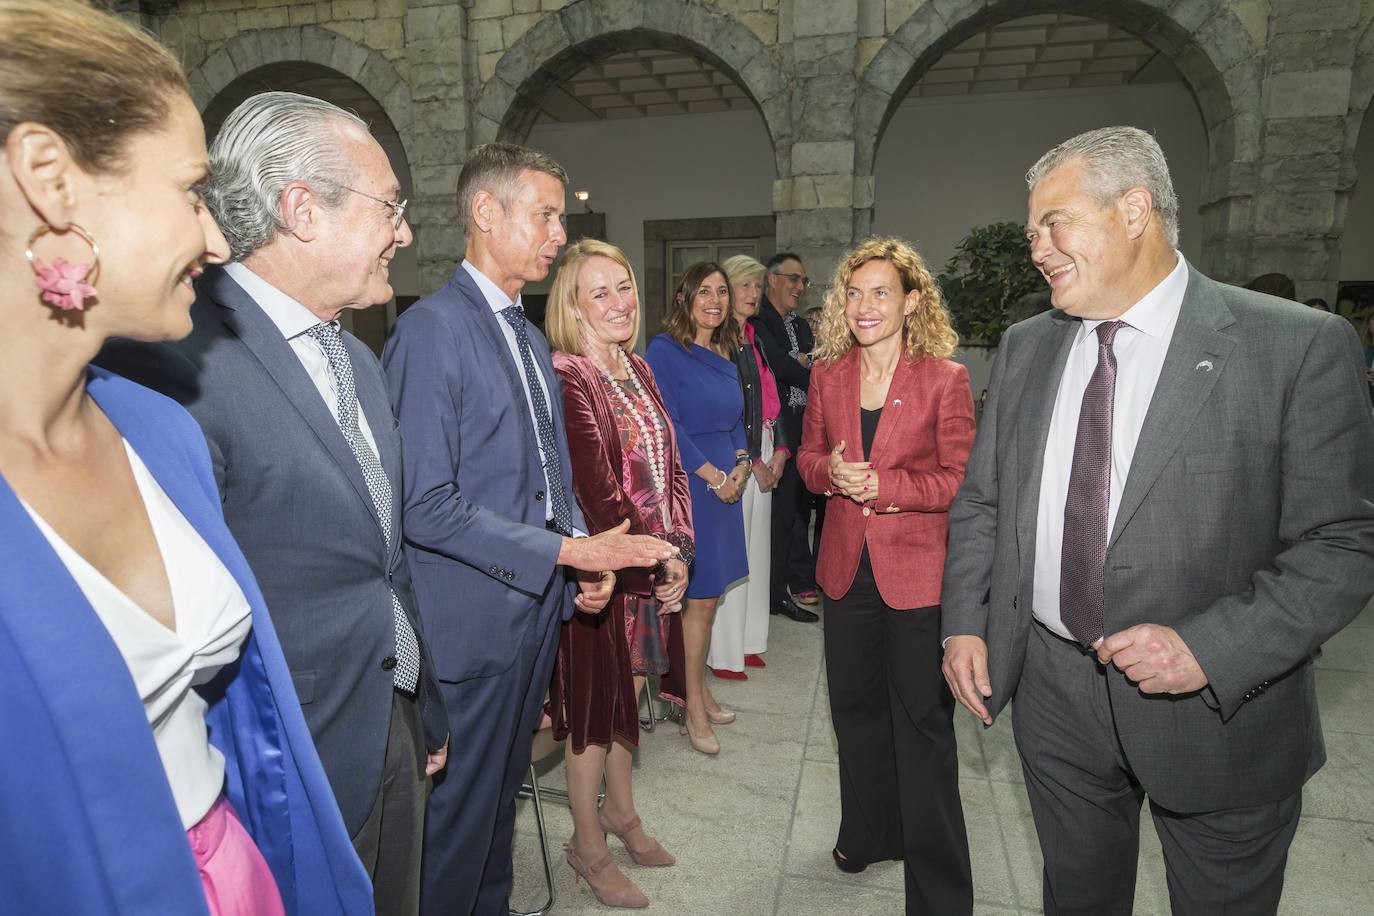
794 561
470 825
389 842
1086 804
893 720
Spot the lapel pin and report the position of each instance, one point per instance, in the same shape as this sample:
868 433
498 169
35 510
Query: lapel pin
896 402
1205 365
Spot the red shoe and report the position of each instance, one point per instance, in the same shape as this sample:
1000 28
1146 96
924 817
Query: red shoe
754 661
725 675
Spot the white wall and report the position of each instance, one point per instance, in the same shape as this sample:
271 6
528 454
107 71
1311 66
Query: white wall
678 167
951 163
1357 244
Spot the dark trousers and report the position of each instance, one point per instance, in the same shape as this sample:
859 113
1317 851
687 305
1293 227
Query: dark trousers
1086 804
899 770
471 818
389 840
793 561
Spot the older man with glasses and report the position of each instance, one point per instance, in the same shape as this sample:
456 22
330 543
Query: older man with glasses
787 342
307 456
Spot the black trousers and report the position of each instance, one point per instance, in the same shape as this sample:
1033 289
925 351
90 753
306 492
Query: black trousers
899 770
793 560
1087 803
390 839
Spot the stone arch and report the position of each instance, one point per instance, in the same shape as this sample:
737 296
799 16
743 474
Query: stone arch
254 50
562 43
1204 39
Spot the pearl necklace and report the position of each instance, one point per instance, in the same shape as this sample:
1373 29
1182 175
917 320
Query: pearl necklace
656 444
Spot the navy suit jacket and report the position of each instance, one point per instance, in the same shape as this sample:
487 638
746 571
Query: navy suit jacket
89 825
485 566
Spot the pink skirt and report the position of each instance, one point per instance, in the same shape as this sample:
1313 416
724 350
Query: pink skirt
233 872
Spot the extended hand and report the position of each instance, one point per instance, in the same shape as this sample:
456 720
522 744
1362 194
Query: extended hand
435 760
669 592
594 591
1155 658
614 549
966 671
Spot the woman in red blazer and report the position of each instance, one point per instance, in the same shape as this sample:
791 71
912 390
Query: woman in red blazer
888 429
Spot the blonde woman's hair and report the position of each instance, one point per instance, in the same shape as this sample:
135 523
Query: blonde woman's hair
927 330
679 323
560 318
741 268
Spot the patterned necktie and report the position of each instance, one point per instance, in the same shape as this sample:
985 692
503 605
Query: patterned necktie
548 444
1081 597
796 397
326 334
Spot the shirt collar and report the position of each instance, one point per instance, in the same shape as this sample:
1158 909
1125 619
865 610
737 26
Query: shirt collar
496 298
291 317
1156 312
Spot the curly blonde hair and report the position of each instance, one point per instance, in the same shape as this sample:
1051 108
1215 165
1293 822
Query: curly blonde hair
927 330
560 317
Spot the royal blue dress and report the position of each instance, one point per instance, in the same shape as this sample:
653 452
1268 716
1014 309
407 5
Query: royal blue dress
702 393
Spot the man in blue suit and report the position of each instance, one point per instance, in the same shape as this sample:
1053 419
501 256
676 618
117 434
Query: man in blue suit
490 521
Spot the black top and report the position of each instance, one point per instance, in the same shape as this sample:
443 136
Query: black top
868 425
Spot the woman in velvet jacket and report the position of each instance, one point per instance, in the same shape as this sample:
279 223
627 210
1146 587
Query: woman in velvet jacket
156 758
625 468
888 430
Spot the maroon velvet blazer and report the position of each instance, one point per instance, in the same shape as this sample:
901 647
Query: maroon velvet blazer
919 451
594 444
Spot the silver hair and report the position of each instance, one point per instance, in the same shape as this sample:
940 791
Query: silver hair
266 143
1117 159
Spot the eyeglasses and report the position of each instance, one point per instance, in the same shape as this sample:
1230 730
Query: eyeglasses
397 207
794 278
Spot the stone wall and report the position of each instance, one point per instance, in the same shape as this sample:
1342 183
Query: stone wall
1282 86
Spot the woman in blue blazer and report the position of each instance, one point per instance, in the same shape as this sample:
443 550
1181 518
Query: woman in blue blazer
156 759
692 361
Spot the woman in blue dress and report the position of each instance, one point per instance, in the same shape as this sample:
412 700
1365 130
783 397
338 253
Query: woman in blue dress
700 388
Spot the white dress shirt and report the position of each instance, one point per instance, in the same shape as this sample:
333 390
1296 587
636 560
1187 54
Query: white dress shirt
212 621
1140 347
294 320
497 300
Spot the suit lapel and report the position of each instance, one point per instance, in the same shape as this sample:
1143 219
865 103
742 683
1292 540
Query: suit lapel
848 392
242 316
1196 359
487 320
1035 409
899 399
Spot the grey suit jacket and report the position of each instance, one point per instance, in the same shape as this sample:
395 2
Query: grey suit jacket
1246 523
297 503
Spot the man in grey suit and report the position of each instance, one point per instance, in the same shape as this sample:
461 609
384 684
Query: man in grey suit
307 456
1167 511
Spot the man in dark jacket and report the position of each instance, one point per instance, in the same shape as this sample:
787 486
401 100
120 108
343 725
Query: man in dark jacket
787 343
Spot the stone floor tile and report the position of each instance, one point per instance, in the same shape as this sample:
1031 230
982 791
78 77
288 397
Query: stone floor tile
1346 700
1351 650
1344 788
1330 869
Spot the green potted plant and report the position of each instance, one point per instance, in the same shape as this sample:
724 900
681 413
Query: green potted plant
990 271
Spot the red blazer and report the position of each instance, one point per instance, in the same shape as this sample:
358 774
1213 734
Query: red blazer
919 451
594 447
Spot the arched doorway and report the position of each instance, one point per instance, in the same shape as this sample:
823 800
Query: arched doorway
675 136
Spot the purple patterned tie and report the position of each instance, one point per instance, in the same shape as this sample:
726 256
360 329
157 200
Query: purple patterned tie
1085 511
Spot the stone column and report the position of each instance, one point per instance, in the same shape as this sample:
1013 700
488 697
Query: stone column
440 72
1304 173
814 194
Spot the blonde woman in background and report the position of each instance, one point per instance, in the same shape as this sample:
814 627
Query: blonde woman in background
739 636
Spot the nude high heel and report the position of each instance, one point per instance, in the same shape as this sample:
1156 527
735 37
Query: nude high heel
607 882
723 716
653 857
709 745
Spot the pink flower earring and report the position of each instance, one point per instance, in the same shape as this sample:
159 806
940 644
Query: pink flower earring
62 284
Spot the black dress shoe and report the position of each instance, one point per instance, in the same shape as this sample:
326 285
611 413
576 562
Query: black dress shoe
848 865
788 609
